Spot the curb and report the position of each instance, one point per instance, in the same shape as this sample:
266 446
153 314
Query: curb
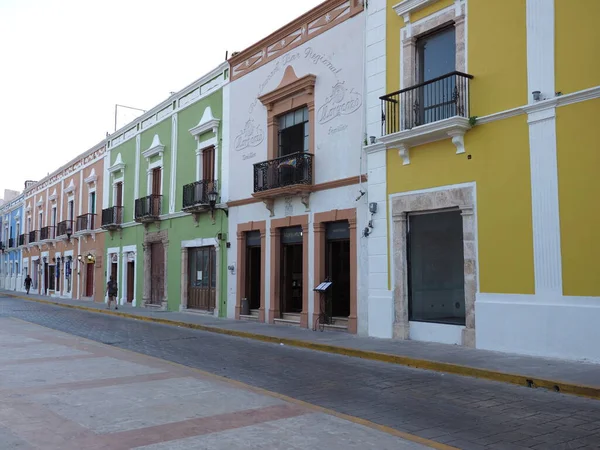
416 363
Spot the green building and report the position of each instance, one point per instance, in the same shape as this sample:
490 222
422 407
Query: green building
164 198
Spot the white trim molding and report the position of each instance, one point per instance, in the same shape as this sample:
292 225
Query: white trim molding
92 177
118 166
207 123
406 7
52 197
454 128
156 148
70 188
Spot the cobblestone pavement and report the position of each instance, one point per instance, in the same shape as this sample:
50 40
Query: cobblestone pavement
462 412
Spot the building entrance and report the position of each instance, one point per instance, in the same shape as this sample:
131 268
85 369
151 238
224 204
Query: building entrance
337 264
436 267
253 269
291 271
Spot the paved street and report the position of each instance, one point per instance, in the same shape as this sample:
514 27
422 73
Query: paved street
453 410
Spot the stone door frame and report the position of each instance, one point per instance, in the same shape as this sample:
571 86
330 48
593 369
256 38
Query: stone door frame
149 239
444 198
184 280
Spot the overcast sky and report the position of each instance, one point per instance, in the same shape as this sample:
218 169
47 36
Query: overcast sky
64 64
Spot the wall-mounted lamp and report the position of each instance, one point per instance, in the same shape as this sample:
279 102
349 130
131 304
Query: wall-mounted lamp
231 268
79 258
45 259
70 258
537 96
69 233
372 139
90 258
369 228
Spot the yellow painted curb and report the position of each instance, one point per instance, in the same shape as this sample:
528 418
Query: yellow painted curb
240 384
417 363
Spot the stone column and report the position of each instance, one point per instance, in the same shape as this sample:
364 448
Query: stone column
399 246
352 318
124 278
165 298
218 280
184 278
263 265
319 262
147 273
305 277
241 272
468 333
274 311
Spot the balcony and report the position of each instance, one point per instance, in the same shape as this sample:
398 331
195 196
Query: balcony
284 176
47 233
23 240
147 209
33 237
195 195
112 218
64 229
431 111
85 224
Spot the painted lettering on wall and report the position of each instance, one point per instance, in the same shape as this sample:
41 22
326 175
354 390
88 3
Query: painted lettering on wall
319 58
338 129
249 155
251 136
341 102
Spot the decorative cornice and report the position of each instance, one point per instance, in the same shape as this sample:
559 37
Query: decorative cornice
316 21
406 7
92 177
207 123
156 148
52 197
72 166
118 166
290 86
70 188
454 128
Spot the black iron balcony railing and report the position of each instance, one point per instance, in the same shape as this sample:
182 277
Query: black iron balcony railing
22 239
11 242
85 222
438 99
196 193
64 228
47 233
148 208
288 170
33 236
112 217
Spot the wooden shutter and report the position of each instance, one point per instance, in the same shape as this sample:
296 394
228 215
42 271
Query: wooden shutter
156 175
208 164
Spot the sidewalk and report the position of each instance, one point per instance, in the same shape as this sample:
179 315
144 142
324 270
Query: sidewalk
568 377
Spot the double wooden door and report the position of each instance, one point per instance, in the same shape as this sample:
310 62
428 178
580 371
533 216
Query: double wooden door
202 278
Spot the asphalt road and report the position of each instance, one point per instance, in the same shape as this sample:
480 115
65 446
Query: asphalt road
459 411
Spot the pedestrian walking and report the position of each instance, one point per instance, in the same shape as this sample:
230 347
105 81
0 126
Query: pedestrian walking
28 282
112 291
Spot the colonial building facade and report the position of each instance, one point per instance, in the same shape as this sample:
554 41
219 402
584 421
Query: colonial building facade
63 243
164 195
484 170
296 209
11 238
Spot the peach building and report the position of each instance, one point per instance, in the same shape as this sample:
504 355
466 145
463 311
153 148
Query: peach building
64 238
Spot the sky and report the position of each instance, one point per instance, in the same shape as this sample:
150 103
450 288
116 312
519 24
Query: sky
64 64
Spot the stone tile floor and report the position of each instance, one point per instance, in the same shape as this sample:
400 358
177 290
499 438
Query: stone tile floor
458 411
108 400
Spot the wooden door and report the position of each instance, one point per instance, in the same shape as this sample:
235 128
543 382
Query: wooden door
119 196
119 203
156 199
130 280
89 280
157 271
202 279
208 164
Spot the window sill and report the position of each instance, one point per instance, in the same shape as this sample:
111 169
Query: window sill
453 128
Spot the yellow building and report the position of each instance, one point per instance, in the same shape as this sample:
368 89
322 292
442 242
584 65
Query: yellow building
483 162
